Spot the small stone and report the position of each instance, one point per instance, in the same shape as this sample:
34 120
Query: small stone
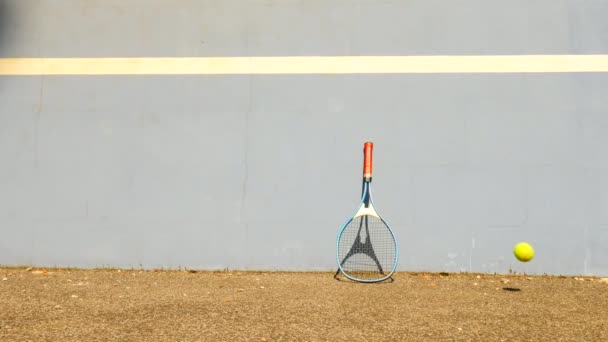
74 296
604 280
505 280
4 279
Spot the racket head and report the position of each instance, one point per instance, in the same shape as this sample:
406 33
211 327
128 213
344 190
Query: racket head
366 246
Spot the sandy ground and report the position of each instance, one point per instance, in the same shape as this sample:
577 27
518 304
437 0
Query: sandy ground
134 305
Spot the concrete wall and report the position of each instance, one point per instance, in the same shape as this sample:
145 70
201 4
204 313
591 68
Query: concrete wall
260 171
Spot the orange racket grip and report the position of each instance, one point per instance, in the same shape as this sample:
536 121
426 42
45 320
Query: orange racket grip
367 160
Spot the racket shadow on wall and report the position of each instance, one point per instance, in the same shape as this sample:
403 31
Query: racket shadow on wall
366 248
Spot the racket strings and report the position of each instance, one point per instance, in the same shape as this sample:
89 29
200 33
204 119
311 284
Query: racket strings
366 248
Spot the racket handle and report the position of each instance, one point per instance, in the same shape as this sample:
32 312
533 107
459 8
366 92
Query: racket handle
367 160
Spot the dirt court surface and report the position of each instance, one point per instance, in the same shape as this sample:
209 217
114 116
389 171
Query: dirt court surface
134 305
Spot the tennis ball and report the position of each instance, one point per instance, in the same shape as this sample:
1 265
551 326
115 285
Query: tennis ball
523 252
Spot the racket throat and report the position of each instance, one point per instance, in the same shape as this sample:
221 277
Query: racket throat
366 209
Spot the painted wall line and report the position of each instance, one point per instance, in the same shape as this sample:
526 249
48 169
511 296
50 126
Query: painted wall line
305 65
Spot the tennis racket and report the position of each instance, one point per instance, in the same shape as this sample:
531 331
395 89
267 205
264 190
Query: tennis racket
366 247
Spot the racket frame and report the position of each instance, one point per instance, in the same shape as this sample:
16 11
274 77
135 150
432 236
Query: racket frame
366 202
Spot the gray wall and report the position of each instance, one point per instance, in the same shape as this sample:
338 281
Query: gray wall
259 172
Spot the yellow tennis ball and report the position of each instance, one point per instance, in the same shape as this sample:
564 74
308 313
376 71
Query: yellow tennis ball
523 252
